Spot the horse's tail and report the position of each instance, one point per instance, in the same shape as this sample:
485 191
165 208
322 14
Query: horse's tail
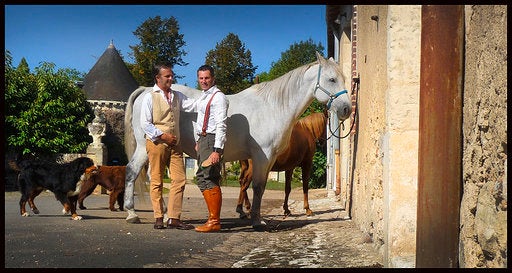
129 137
130 143
140 184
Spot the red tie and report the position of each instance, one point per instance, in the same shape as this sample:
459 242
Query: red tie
207 115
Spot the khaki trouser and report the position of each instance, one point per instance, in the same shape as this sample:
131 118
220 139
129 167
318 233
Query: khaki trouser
162 157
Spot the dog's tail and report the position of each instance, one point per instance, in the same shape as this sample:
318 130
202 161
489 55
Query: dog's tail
14 165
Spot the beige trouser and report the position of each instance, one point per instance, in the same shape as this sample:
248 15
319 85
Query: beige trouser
160 158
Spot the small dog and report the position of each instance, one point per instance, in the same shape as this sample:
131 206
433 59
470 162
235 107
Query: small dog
63 179
110 177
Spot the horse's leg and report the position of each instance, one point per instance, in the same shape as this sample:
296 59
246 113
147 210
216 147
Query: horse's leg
241 198
132 171
248 179
247 202
287 190
241 193
244 184
306 174
260 175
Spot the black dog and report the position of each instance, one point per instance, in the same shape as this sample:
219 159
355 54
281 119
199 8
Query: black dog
63 180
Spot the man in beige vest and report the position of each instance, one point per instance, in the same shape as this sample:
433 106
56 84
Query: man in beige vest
160 122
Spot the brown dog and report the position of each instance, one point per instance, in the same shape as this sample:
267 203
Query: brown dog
110 177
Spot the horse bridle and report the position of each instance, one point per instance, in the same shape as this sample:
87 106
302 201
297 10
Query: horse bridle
331 96
355 86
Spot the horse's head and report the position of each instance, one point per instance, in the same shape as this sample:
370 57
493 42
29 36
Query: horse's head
330 87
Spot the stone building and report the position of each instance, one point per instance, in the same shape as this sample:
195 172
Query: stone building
107 87
423 171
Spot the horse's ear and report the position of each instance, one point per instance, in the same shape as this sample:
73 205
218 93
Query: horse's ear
319 58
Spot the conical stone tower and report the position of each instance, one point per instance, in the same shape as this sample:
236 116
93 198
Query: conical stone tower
109 79
108 86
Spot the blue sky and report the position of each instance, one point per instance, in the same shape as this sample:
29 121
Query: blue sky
75 36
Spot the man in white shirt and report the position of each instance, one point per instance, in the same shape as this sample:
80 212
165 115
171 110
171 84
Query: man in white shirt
212 109
160 117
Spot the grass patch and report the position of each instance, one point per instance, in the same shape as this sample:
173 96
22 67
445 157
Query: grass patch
271 184
232 181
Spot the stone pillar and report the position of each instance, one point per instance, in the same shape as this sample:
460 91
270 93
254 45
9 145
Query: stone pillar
97 150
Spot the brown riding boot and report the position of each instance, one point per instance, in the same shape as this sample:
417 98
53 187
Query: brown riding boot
213 198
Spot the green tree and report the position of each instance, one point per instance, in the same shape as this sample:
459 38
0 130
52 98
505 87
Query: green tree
298 54
232 63
160 41
23 67
46 113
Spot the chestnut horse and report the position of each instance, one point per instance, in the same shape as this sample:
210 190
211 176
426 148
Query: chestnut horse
299 153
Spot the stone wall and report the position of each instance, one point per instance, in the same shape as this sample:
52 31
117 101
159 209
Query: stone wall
114 134
483 219
385 174
367 196
401 138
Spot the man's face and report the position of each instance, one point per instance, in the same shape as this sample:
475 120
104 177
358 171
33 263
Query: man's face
164 79
205 79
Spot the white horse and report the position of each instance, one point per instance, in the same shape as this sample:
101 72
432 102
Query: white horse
259 125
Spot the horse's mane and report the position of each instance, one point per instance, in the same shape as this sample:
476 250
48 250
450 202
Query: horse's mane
314 123
277 91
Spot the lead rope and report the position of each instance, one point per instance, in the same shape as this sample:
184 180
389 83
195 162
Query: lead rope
355 87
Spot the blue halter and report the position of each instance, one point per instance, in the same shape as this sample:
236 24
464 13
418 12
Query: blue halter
331 96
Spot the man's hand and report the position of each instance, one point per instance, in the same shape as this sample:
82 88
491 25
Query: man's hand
169 139
214 158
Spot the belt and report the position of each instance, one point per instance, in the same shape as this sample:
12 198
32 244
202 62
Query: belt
203 134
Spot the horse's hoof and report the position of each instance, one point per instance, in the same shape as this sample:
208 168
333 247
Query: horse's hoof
134 220
243 216
261 226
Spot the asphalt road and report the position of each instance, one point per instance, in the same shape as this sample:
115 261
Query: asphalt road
103 239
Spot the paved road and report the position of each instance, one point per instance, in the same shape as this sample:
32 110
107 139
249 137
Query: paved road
103 239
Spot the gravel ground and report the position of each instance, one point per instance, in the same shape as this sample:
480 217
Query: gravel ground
103 239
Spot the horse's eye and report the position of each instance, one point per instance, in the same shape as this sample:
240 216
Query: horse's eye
332 80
